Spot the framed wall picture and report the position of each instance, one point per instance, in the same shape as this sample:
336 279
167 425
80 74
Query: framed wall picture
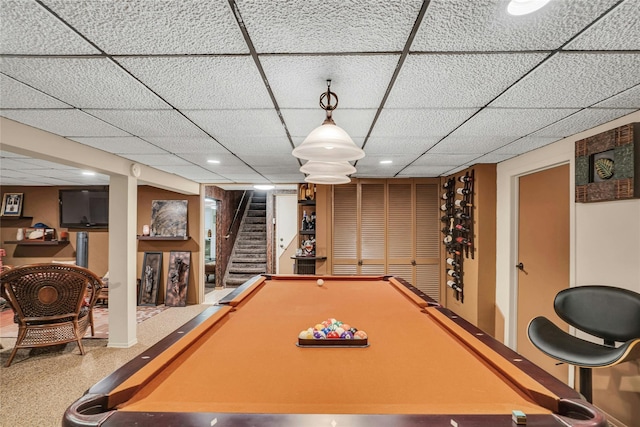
151 278
178 279
12 204
169 218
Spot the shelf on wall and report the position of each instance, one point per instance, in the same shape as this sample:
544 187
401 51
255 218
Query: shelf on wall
164 237
307 202
16 218
309 257
309 232
37 242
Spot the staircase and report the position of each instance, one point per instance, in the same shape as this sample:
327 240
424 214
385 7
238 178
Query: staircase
249 255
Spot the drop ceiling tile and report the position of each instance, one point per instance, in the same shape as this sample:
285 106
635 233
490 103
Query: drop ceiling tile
28 28
233 124
524 145
630 98
384 147
155 27
427 123
359 81
430 159
182 145
574 80
190 172
14 94
121 145
376 172
618 30
34 164
157 160
285 178
244 177
63 122
509 123
355 122
277 159
202 82
493 158
329 25
423 171
216 181
142 123
82 82
580 121
228 162
463 25
285 167
427 81
454 144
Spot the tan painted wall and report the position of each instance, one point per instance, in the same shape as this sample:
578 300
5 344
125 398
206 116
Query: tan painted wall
41 203
479 272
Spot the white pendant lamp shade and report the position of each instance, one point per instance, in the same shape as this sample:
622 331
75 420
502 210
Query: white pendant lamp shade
313 167
328 143
328 179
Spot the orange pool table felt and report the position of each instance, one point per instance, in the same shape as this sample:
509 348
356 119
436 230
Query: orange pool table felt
241 359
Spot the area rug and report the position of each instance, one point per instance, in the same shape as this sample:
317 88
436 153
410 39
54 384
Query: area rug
8 329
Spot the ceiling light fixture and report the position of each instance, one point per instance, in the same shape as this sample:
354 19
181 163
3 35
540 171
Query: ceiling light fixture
263 187
328 179
524 7
386 162
213 161
328 142
313 167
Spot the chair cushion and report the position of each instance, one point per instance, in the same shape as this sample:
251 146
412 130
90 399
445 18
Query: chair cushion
558 344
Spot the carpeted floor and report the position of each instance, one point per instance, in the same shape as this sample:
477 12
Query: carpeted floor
9 329
41 383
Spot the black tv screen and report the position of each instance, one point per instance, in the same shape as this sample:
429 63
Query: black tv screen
84 208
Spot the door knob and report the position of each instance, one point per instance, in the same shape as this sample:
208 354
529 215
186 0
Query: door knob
520 266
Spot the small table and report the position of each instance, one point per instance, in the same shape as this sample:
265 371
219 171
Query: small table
238 363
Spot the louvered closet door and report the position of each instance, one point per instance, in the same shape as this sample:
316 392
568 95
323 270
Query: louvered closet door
345 229
428 239
373 210
401 231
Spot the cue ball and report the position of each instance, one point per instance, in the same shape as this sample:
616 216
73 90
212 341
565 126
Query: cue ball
320 282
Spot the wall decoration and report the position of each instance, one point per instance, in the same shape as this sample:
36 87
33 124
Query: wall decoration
608 165
12 204
151 278
178 280
169 218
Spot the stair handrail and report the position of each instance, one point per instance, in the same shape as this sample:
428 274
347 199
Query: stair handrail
235 216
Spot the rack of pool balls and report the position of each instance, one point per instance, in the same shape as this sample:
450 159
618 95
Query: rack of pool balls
332 333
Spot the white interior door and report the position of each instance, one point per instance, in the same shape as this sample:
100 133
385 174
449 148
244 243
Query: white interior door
286 223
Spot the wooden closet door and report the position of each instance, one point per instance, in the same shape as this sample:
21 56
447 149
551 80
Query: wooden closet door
345 229
428 243
373 239
401 230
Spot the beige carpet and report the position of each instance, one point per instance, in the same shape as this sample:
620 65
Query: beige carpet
40 384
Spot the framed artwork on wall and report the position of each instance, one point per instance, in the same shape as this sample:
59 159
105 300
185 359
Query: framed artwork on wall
178 279
12 204
607 165
151 278
169 218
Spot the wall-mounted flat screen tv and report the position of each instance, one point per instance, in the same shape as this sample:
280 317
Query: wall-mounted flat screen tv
82 208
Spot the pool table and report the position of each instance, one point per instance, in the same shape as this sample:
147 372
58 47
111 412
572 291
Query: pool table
238 363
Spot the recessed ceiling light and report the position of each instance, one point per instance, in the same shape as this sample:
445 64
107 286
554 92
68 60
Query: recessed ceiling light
386 162
88 173
213 161
263 187
523 7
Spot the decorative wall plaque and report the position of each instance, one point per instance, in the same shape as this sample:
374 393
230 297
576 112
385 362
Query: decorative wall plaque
608 165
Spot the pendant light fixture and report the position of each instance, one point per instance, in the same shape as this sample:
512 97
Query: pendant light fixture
313 167
328 179
328 142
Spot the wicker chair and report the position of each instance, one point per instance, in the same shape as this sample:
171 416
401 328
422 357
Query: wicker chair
53 303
